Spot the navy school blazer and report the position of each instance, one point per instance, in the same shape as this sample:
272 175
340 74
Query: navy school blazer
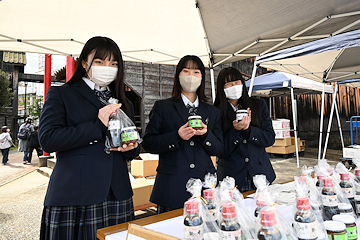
247 156
180 160
83 174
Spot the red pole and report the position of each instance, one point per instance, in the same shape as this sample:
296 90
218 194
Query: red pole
70 67
47 80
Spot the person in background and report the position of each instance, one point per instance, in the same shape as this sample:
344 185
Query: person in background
89 188
184 152
26 128
34 144
244 154
5 144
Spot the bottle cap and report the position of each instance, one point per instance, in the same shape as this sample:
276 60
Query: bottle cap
194 117
344 176
209 194
128 128
302 203
328 182
330 171
228 210
357 172
302 179
260 203
268 217
192 207
345 206
334 226
347 219
320 177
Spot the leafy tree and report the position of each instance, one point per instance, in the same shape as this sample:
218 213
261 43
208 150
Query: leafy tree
36 107
5 92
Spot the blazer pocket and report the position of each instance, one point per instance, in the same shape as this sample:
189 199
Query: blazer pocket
166 169
226 163
264 158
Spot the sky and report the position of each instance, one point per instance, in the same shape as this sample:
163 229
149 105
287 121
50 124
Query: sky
32 59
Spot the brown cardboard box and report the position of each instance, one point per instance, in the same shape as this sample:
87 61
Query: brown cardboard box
282 142
142 191
213 159
268 149
302 148
144 233
283 149
302 143
293 141
145 165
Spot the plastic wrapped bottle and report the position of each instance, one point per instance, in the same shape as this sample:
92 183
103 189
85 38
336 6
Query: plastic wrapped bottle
268 230
304 220
319 183
329 198
114 127
347 187
259 206
229 226
193 223
209 196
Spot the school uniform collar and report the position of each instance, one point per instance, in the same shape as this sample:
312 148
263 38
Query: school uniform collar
187 101
93 86
85 90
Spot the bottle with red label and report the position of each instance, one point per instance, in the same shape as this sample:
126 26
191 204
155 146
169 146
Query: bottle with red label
329 199
347 187
193 223
268 230
319 183
209 196
259 206
304 220
229 226
114 127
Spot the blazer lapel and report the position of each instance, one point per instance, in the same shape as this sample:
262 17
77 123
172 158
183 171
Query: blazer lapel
180 107
230 113
202 111
86 92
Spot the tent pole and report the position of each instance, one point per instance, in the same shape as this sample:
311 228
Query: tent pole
321 119
270 105
295 128
212 84
339 124
330 121
252 79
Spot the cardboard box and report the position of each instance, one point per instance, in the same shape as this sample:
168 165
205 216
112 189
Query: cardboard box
302 143
145 165
281 124
282 142
136 232
283 149
293 141
352 151
282 134
268 149
213 159
142 191
302 148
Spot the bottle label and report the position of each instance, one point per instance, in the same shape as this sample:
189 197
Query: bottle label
114 125
195 123
358 208
129 136
329 200
338 237
231 235
305 230
349 193
352 233
194 232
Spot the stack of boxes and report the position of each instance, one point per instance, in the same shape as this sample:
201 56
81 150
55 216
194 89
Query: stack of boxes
284 143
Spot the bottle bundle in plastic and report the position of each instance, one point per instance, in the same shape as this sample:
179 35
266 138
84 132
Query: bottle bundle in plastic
270 223
121 129
356 182
199 223
210 194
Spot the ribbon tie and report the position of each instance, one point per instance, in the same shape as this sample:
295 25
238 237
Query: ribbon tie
103 96
192 110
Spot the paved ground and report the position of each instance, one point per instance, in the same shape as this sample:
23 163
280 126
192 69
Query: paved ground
22 191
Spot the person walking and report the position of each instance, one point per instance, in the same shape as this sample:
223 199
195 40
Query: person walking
5 144
184 152
89 188
23 135
245 140
34 144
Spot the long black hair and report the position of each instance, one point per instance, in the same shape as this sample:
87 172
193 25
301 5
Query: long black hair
103 48
192 62
231 74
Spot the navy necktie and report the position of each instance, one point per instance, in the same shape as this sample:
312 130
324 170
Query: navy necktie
103 96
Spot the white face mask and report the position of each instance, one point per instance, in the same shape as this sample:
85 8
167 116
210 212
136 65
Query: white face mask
234 92
103 75
189 83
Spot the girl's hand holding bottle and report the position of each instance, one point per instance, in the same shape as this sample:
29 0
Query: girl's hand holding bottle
244 123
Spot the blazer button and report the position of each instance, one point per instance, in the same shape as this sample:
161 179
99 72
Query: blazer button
247 159
192 165
172 145
169 146
235 142
244 141
192 143
95 141
208 144
90 143
255 139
